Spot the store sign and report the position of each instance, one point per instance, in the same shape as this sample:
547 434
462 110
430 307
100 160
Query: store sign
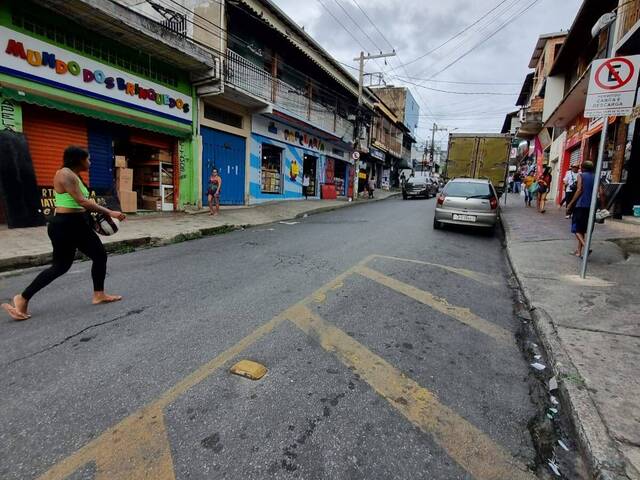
375 153
285 133
48 203
10 115
612 87
43 62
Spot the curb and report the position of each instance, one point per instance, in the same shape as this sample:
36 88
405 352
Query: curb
603 457
347 204
125 246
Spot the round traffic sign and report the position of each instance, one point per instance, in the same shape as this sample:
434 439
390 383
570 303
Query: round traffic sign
356 155
615 73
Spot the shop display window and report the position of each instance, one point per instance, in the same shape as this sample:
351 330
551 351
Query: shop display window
271 169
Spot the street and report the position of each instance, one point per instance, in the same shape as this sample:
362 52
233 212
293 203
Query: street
390 349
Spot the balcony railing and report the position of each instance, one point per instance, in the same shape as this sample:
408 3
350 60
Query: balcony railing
628 16
250 78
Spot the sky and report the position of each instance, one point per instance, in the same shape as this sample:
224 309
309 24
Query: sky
490 54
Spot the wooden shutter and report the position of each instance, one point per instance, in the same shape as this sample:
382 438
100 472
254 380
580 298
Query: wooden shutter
49 132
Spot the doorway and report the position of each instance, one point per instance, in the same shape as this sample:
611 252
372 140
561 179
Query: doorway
225 152
309 169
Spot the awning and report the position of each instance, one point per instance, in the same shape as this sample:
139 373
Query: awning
572 104
178 130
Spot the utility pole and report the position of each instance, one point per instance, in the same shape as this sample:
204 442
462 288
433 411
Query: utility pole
361 59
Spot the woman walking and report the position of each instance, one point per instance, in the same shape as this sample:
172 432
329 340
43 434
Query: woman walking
581 205
544 184
213 192
69 230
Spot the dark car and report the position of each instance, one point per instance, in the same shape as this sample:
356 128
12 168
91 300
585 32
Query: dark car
419 186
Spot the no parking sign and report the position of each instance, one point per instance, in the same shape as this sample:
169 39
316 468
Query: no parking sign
612 87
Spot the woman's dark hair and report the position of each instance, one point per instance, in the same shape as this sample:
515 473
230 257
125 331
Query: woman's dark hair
74 156
547 170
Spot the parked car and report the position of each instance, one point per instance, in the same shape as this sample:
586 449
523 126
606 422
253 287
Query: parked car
419 186
467 201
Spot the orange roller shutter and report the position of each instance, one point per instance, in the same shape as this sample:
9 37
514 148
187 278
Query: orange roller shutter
49 133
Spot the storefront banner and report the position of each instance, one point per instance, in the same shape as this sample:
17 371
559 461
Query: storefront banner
35 60
10 115
270 128
375 153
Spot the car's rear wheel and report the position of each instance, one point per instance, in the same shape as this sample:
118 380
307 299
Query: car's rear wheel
436 224
404 196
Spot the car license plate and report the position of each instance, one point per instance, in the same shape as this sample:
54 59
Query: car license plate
464 218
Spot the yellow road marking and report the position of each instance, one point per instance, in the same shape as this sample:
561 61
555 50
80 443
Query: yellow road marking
473 275
463 315
464 443
137 447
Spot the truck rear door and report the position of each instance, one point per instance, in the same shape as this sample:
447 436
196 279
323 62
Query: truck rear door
493 160
462 157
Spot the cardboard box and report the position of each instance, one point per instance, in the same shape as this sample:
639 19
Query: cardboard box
151 203
162 155
124 179
128 201
121 161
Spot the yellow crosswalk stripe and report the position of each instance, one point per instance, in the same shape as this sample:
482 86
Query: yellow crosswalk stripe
479 277
463 315
463 442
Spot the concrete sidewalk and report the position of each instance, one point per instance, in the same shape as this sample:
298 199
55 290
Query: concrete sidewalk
28 247
590 328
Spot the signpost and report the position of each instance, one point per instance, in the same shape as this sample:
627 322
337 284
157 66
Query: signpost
612 93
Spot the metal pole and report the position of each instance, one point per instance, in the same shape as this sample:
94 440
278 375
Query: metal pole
594 198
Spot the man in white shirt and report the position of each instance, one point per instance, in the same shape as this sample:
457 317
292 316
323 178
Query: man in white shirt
570 182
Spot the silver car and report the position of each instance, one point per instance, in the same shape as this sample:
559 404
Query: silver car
467 201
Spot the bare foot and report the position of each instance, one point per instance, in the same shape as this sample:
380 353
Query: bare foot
17 311
101 297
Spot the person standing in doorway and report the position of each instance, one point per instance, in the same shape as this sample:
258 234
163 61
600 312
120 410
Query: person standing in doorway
69 231
544 184
306 181
570 183
213 192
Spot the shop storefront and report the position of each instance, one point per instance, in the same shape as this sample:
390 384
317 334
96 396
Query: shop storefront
372 167
282 155
135 122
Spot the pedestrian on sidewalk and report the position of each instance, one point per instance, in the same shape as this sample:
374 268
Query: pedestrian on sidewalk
544 184
70 230
529 180
213 192
570 182
517 182
372 186
581 204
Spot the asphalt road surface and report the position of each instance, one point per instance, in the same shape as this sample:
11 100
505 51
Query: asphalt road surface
390 350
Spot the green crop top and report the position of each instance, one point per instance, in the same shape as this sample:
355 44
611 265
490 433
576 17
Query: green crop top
65 200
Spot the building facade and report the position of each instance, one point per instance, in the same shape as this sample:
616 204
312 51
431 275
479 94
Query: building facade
69 85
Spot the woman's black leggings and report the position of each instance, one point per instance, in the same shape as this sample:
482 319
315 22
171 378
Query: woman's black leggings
70 232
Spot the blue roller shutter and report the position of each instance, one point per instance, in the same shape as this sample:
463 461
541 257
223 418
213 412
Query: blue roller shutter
101 151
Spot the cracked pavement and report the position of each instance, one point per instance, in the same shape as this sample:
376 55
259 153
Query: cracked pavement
432 392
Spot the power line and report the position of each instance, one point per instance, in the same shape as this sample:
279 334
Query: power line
399 77
467 28
492 19
460 93
357 25
504 24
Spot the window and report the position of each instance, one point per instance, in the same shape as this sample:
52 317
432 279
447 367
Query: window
271 169
222 116
468 190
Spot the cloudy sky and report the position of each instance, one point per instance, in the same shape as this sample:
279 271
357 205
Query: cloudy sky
490 56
